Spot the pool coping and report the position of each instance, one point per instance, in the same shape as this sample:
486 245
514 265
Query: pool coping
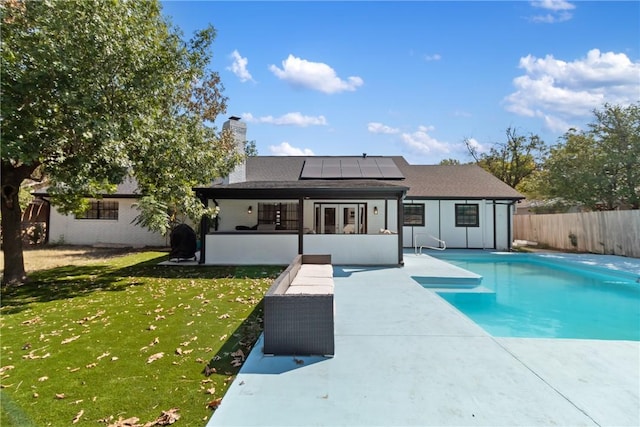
405 357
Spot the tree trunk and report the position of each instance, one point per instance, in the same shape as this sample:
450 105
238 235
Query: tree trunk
12 177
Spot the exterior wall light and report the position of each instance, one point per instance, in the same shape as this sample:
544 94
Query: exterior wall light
250 210
375 210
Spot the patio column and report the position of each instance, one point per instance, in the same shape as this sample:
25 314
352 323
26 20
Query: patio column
400 227
301 225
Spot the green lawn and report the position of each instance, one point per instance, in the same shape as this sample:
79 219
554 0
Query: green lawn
126 339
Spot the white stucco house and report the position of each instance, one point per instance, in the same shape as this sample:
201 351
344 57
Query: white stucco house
360 209
109 221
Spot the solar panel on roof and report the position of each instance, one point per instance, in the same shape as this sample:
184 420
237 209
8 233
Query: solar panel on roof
349 171
350 168
331 171
389 169
370 171
311 169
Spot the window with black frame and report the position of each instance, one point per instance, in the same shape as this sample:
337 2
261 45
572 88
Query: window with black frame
283 215
101 209
467 215
413 214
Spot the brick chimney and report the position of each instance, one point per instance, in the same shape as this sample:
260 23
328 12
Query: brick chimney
239 129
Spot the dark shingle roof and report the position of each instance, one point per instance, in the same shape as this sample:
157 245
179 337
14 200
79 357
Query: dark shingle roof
423 181
453 181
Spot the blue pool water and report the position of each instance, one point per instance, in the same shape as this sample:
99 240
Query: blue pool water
549 297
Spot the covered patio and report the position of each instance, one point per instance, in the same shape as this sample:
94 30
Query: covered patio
358 222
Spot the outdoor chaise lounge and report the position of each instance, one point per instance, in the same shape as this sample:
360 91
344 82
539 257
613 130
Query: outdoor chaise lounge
298 309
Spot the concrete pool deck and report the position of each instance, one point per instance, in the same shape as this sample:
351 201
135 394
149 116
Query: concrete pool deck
405 357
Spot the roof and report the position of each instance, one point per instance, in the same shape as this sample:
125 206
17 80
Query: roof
453 181
421 181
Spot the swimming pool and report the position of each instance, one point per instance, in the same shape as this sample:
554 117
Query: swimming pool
538 296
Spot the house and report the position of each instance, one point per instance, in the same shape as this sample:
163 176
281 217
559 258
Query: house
360 209
108 221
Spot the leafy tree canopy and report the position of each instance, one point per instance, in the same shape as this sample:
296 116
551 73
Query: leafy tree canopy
598 168
94 91
513 161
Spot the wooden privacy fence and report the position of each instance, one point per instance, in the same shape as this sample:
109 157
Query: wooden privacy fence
610 232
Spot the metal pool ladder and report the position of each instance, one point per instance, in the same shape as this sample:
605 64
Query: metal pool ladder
442 245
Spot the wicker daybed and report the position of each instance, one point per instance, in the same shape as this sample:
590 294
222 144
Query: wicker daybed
298 309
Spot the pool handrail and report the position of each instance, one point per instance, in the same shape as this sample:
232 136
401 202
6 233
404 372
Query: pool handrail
442 245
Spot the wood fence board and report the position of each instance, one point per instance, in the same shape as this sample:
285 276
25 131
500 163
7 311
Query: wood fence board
609 232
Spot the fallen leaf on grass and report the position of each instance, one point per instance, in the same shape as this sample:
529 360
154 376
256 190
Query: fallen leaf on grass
211 390
42 379
103 355
215 403
68 340
6 368
152 328
209 370
60 396
31 321
224 337
129 422
78 416
224 316
155 357
167 418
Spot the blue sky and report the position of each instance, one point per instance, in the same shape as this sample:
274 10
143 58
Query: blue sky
416 78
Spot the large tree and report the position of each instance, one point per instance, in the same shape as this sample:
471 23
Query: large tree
514 160
94 91
598 168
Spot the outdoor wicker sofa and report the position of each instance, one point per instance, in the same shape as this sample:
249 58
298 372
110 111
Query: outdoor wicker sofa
299 309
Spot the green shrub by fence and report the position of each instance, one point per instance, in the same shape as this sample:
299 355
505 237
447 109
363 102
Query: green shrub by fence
609 232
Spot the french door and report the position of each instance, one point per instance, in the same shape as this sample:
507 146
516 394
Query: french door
347 218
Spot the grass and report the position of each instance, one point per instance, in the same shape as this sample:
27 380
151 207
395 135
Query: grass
126 338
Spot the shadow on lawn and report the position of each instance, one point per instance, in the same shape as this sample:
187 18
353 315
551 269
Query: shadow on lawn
71 281
228 360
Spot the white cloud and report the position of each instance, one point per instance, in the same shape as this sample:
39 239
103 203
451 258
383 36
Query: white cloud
289 119
554 5
434 57
559 11
375 127
285 149
422 143
475 144
239 67
314 75
560 92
